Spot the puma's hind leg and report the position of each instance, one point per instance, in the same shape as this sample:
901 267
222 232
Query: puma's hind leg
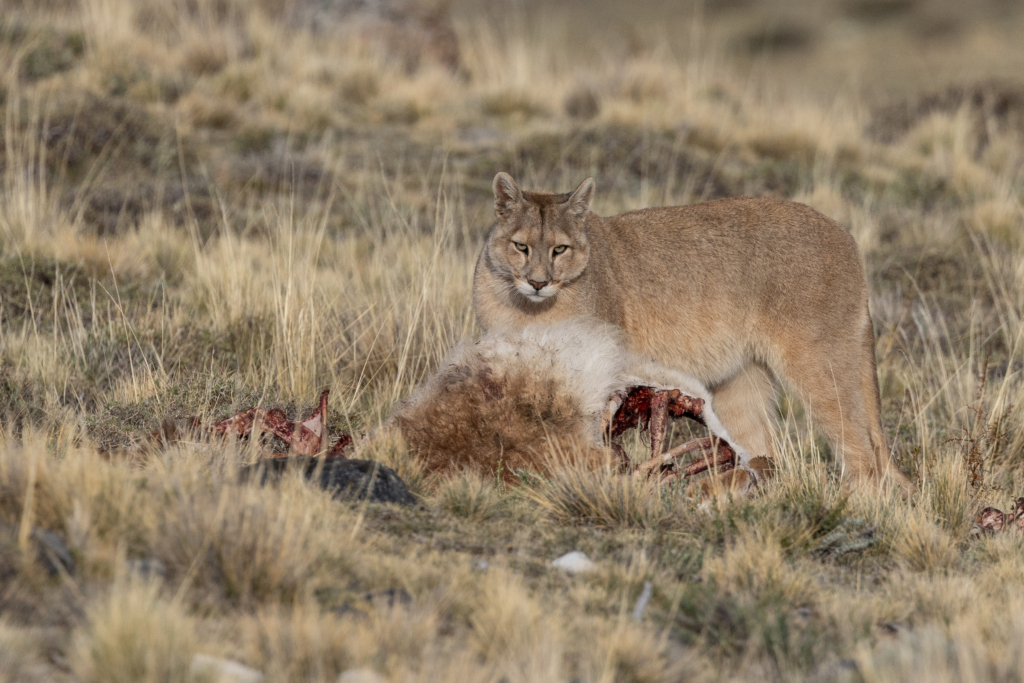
828 377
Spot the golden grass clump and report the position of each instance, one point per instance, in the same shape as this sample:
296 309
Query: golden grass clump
299 641
948 495
579 493
135 635
753 565
246 541
17 651
509 623
923 545
470 496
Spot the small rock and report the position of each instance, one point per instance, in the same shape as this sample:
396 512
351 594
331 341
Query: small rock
641 602
223 670
345 478
362 607
147 568
575 562
892 627
481 565
352 479
582 103
53 551
361 676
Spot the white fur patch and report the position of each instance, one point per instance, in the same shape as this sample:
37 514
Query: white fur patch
533 294
583 355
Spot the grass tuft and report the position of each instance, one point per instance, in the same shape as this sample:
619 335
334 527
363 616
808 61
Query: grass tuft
923 546
135 635
470 496
579 494
18 649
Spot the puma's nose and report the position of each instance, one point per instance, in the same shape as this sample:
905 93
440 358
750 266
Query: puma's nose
537 285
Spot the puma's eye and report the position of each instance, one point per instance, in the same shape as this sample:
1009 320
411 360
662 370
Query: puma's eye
521 247
559 249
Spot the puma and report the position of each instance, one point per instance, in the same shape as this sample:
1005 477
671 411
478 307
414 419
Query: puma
740 294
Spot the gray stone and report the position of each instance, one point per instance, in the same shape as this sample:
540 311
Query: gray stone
641 602
223 670
345 478
147 567
52 551
575 562
362 675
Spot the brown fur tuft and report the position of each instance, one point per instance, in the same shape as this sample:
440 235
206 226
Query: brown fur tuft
492 422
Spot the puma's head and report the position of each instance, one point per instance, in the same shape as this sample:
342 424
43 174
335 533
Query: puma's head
539 242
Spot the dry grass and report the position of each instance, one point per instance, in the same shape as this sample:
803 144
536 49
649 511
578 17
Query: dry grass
469 496
209 205
575 494
135 636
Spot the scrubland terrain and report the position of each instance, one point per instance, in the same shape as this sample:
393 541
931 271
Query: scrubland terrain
209 204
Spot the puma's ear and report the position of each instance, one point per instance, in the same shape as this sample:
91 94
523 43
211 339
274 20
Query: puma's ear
579 202
507 195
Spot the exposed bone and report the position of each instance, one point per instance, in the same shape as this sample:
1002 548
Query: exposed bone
635 408
992 520
722 457
650 407
716 455
303 437
658 421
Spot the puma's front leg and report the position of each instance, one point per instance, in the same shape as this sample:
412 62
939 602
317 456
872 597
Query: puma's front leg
745 405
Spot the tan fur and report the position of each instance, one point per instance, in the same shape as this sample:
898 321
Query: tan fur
738 293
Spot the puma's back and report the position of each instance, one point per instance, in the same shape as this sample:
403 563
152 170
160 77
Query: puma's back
736 292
